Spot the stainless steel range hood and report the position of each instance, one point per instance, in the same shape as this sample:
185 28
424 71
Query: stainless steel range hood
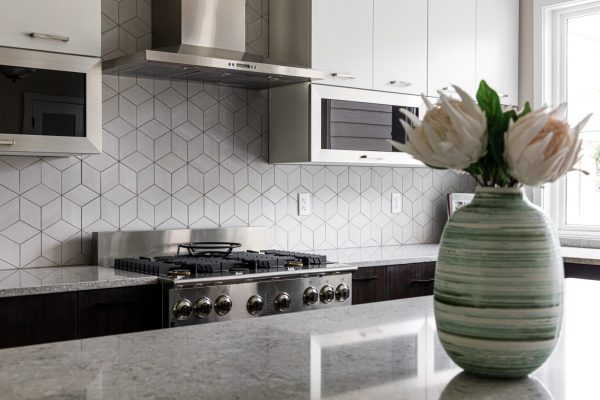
205 40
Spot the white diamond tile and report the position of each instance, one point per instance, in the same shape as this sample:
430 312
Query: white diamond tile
154 195
19 232
81 195
137 161
118 195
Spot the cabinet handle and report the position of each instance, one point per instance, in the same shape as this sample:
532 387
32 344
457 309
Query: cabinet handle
503 95
343 76
39 35
7 142
365 279
400 83
422 282
365 157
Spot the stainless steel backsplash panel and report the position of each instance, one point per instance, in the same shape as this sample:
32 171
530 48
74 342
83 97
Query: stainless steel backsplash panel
106 246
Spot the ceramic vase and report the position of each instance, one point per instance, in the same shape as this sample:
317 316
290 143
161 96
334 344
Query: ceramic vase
499 285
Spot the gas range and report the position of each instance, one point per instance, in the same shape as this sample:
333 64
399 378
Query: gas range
213 281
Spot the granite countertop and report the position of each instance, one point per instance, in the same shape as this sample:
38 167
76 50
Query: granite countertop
371 351
29 281
418 253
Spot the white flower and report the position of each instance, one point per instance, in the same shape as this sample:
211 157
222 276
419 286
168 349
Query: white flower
453 133
540 147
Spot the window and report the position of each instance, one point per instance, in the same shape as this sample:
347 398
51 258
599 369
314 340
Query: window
571 74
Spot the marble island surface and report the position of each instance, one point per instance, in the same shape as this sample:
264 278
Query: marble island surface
29 281
371 351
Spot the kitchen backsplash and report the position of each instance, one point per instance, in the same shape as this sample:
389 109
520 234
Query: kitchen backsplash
183 154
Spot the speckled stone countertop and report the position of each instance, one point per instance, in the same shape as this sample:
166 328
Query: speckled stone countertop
29 281
372 351
417 253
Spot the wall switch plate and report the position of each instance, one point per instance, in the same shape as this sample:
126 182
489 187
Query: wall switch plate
304 204
396 203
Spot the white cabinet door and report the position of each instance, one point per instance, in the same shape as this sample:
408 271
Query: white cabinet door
452 29
400 46
63 26
498 47
342 41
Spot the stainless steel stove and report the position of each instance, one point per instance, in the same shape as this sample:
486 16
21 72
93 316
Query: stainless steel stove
222 278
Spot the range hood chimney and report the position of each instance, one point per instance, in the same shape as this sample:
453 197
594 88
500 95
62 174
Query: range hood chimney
205 40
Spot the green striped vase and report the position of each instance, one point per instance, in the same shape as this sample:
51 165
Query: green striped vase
499 285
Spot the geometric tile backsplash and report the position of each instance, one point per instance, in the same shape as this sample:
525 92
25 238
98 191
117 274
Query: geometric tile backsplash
181 154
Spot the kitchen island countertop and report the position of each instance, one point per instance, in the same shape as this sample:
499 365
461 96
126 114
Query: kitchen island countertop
371 351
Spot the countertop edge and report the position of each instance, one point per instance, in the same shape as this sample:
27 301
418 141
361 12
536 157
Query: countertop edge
77 286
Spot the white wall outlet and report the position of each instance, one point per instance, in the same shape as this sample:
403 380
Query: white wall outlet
304 204
396 203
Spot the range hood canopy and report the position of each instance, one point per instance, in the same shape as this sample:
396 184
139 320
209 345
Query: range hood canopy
205 40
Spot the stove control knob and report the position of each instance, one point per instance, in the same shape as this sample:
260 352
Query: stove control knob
255 305
342 293
182 310
327 294
203 307
283 301
311 296
223 305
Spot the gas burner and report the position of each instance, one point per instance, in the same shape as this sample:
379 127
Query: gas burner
208 249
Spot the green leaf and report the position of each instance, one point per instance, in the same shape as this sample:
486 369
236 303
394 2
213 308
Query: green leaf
526 110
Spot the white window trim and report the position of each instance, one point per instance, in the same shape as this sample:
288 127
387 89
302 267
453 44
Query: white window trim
549 27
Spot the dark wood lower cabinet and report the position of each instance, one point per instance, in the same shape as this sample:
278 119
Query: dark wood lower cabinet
392 282
45 318
37 319
119 310
368 285
410 280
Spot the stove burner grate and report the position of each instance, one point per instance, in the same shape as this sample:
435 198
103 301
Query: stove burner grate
208 249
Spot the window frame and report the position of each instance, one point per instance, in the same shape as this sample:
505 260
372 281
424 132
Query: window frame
550 88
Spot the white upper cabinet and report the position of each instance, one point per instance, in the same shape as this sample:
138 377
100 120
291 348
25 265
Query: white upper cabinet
498 47
342 41
63 26
400 46
452 42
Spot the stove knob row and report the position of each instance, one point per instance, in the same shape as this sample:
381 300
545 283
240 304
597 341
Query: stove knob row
223 305
342 293
203 307
182 310
283 301
255 305
311 296
327 294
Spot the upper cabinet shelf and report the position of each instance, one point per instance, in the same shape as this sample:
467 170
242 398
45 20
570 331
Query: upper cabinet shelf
60 26
403 46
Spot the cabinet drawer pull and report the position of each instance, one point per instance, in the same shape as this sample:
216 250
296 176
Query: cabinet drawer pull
39 35
503 95
7 142
400 83
343 76
423 282
365 279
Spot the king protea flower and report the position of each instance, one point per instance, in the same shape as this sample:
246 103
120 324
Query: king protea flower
452 134
541 147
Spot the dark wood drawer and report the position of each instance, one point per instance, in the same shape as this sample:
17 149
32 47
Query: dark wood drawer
410 280
368 285
44 318
119 310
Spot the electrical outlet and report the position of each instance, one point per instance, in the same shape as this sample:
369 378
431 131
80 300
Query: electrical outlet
304 205
396 203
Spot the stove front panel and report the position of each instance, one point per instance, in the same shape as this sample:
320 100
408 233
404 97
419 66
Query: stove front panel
210 303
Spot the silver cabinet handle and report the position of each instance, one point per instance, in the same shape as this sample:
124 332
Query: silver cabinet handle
39 35
400 83
343 76
503 95
7 142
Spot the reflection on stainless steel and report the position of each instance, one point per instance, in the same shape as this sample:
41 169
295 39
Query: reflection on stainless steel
106 246
206 40
469 387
